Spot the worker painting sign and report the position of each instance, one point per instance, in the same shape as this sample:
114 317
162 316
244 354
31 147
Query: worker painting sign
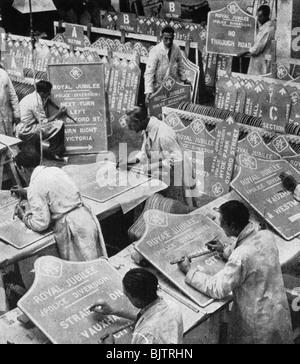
81 89
171 237
59 301
258 182
230 30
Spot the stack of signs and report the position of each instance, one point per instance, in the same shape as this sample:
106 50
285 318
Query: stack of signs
212 156
170 94
192 73
81 89
281 146
276 109
102 182
170 237
12 230
124 83
258 182
230 30
58 302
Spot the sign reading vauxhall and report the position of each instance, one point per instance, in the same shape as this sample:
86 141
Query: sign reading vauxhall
230 30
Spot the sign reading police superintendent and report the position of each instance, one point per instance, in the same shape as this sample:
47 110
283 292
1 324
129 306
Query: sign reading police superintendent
230 30
81 89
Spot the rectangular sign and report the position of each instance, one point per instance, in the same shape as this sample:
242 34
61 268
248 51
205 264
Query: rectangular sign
259 183
12 230
81 89
74 35
173 9
230 30
59 300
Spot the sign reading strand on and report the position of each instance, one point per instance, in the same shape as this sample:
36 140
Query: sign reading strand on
81 89
171 237
58 302
12 230
74 35
102 181
170 94
230 30
259 183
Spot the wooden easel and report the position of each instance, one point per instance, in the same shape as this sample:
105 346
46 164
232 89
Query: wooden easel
6 158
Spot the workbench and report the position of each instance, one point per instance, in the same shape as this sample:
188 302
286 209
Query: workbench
6 157
199 327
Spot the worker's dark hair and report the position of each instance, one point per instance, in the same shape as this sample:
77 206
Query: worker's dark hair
43 86
235 212
138 113
141 284
27 159
265 9
168 29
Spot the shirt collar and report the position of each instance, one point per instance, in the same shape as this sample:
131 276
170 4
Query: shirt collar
249 230
152 128
150 309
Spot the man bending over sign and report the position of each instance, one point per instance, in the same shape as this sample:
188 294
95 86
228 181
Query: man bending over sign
54 199
158 322
260 314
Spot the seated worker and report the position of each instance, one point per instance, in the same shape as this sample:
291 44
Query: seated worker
161 154
54 199
165 59
260 313
52 129
158 322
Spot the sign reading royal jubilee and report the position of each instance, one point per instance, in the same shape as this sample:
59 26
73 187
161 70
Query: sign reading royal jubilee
259 183
171 237
230 30
58 302
81 89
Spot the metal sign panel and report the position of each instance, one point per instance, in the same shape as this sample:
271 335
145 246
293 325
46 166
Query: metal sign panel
58 302
259 184
170 237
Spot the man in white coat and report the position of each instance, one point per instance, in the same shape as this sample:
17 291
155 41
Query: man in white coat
9 105
55 200
260 313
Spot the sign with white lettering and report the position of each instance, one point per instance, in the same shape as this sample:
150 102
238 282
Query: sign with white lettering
74 35
127 22
12 230
172 9
58 302
13 65
230 30
170 237
254 145
81 89
258 182
294 161
282 146
170 94
276 109
102 182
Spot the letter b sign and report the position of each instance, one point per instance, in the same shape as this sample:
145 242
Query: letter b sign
173 9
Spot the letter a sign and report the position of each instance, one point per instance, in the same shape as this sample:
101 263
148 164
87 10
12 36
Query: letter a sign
74 35
173 9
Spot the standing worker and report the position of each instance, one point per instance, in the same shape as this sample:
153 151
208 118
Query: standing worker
32 111
54 199
260 53
9 105
260 313
164 60
158 322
